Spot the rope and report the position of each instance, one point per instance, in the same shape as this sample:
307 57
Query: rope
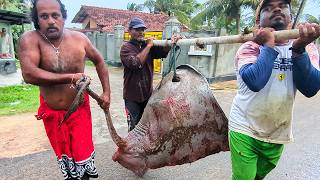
174 54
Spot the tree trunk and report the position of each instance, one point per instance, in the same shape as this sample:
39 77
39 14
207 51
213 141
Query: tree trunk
238 23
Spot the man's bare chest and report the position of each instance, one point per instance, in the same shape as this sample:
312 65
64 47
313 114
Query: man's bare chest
66 60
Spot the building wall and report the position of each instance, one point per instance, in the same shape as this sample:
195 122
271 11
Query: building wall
225 61
93 24
215 62
148 34
101 43
85 23
104 42
88 21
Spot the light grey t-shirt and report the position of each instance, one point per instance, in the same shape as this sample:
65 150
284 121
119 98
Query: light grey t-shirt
265 115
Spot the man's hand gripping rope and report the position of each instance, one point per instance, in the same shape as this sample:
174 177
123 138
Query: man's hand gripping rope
81 86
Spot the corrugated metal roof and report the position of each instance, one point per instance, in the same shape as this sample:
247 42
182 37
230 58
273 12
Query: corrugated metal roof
11 17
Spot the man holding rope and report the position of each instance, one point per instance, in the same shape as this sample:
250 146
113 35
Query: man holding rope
268 74
53 58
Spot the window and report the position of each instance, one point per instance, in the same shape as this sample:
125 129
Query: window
197 51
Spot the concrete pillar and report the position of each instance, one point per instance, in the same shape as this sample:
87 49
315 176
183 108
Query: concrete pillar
172 26
94 38
118 37
101 39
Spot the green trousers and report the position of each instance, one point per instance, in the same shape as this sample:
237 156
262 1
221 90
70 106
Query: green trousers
252 159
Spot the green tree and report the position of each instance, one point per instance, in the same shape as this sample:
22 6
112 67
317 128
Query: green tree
182 9
150 5
15 5
311 19
135 7
233 10
227 13
4 4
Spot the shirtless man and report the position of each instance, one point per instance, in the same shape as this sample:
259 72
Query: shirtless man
53 58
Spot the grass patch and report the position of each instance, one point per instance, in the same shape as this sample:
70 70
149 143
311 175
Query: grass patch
18 99
18 64
89 63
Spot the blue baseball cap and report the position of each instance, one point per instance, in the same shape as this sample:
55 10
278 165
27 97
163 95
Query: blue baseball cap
136 23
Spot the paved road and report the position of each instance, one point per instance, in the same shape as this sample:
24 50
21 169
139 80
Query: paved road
300 161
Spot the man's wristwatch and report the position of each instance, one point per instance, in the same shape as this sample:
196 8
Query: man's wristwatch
298 50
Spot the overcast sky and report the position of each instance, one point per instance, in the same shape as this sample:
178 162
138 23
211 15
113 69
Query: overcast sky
73 6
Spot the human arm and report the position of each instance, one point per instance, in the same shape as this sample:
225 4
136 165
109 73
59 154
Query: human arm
308 34
93 54
29 56
132 58
305 75
143 55
256 73
162 52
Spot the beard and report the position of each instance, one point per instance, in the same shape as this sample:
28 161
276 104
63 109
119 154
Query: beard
278 22
54 36
279 25
53 33
140 39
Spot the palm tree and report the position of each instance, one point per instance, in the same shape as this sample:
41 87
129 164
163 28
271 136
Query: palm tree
150 5
311 19
233 9
134 7
4 4
227 13
182 9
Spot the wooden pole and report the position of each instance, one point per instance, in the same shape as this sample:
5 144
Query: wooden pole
279 35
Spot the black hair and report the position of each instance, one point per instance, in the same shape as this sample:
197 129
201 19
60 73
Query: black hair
34 12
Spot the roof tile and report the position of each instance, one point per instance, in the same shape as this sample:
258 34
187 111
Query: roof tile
108 18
